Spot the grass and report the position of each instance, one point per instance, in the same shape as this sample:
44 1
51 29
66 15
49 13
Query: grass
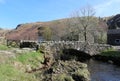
64 77
4 47
9 73
111 52
34 59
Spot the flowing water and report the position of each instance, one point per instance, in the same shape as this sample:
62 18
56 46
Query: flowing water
103 71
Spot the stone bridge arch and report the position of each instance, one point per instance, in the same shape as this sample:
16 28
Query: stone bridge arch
91 49
72 50
74 54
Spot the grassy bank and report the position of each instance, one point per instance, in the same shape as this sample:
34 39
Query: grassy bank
33 59
111 52
28 66
14 69
10 73
110 56
3 47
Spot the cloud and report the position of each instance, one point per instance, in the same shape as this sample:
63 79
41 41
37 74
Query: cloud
105 6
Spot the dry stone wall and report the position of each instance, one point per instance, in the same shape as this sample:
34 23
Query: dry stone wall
88 48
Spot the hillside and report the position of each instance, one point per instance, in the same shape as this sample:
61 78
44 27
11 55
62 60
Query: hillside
29 31
2 35
3 32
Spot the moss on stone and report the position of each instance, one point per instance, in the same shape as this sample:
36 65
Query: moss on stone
81 75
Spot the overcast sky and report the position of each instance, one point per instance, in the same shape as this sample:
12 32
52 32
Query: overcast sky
14 12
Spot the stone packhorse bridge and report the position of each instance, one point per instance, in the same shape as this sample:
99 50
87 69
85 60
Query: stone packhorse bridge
88 48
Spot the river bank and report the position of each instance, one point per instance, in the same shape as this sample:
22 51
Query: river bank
110 56
38 66
66 65
102 71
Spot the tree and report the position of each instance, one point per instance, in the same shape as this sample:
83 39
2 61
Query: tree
84 19
47 33
70 30
57 29
102 29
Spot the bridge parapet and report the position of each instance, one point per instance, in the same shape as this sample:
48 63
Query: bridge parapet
90 48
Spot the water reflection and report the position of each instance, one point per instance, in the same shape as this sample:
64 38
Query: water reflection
103 71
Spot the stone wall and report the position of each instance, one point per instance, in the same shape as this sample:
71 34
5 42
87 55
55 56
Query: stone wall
88 48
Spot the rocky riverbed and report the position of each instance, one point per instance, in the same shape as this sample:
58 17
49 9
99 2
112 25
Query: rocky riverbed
65 71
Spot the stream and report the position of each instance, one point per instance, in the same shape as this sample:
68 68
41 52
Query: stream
103 71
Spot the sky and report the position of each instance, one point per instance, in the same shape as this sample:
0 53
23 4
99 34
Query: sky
14 12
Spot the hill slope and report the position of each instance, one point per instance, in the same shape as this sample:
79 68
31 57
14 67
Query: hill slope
29 31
